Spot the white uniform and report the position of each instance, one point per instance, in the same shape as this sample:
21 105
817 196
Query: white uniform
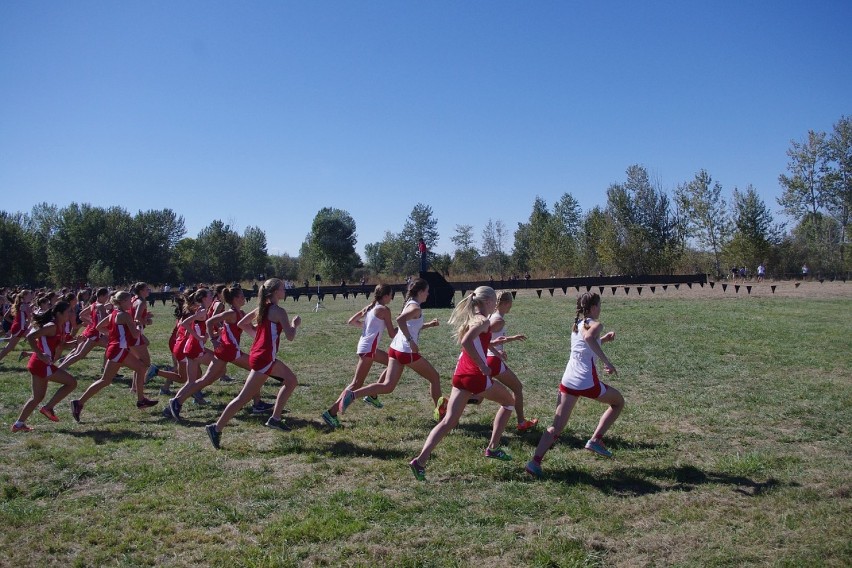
581 376
400 343
371 333
495 350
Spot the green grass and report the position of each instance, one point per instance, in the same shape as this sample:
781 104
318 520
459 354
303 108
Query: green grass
733 450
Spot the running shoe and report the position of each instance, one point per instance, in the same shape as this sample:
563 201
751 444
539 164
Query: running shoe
373 400
345 401
166 391
598 448
277 424
418 470
214 435
440 409
48 412
173 408
226 379
331 421
152 372
21 428
534 469
497 454
146 403
262 408
21 355
76 409
198 398
527 425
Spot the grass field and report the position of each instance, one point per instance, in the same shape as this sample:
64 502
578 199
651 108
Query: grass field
733 450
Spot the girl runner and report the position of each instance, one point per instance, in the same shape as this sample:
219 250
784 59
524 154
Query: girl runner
45 339
581 379
123 332
373 319
21 324
405 352
265 323
91 336
497 359
472 377
227 351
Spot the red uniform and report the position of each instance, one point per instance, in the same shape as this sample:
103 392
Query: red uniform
467 375
119 339
265 346
20 325
192 347
47 345
143 317
91 331
177 341
229 340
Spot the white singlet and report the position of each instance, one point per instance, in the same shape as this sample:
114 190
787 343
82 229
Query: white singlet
371 331
400 343
578 372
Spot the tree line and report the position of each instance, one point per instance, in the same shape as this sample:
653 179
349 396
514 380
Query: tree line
641 229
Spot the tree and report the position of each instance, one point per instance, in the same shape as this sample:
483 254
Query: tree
645 228
333 240
805 188
153 239
421 224
529 236
754 232
218 247
493 243
465 257
282 266
253 254
705 213
15 253
839 183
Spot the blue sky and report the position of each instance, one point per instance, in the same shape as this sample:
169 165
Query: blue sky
262 113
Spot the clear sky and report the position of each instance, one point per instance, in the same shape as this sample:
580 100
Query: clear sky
262 113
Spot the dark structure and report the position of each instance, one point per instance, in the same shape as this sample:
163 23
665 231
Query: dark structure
440 291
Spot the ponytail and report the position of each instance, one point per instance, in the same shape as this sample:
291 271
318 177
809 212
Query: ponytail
263 298
380 292
466 310
417 286
585 303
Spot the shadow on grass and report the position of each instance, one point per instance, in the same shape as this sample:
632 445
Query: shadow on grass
109 436
632 482
567 439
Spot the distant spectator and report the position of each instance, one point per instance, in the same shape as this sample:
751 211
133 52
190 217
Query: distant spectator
424 254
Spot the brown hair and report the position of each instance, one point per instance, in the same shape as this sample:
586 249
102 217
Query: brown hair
585 303
263 298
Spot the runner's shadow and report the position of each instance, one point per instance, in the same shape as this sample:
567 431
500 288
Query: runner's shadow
634 482
109 436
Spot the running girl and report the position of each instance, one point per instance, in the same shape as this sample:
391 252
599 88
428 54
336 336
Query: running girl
405 352
374 320
21 322
227 351
45 339
472 377
142 318
581 379
91 336
265 323
497 359
122 331
194 351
